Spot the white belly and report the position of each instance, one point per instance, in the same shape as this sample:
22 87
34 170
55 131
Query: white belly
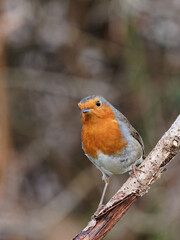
118 164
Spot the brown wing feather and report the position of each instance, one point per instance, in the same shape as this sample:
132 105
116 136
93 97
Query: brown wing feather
137 136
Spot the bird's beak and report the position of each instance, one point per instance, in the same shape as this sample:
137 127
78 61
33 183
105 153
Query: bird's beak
86 110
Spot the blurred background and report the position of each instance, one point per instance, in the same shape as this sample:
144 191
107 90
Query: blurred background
53 53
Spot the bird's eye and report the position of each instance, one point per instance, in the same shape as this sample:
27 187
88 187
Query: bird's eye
98 103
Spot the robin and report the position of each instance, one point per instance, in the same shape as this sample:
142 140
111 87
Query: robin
109 140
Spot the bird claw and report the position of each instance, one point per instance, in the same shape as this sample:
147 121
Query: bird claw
133 172
97 211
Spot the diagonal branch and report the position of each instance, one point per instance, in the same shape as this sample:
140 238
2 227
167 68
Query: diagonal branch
152 168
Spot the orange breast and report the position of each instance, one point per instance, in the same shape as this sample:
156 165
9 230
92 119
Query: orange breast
104 136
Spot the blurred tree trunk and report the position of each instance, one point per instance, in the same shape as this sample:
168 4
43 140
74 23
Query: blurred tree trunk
3 106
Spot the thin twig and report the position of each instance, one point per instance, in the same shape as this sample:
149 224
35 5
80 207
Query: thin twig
152 168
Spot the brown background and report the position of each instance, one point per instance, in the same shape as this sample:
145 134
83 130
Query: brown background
54 54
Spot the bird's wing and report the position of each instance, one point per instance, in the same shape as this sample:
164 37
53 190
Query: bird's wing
137 136
133 131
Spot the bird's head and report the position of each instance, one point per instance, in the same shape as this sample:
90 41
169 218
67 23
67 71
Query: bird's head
94 108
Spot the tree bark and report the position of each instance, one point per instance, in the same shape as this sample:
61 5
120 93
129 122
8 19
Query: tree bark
151 169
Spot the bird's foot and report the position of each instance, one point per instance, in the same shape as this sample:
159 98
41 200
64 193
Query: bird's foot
133 172
100 207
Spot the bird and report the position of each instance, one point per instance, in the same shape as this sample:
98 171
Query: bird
109 141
